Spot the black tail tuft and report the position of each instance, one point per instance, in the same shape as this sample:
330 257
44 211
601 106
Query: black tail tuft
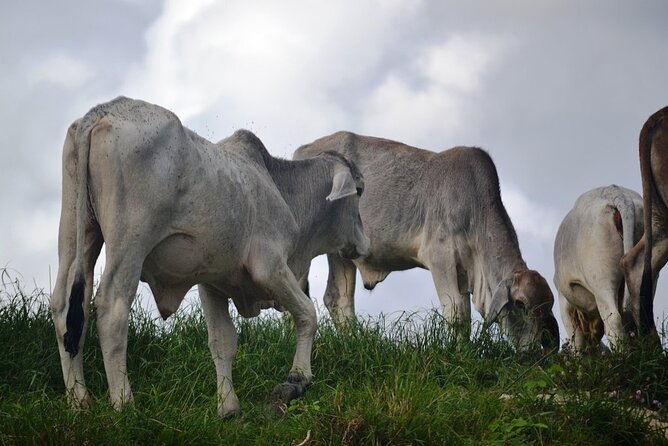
75 317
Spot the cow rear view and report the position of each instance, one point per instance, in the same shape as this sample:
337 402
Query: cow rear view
604 224
175 210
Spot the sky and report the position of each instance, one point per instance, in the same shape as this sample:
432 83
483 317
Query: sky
556 91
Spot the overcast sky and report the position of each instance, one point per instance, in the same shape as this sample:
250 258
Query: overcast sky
556 91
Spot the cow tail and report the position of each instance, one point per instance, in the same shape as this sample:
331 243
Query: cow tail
650 194
626 227
75 311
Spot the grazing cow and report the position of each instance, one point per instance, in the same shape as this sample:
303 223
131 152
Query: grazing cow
604 224
175 210
443 212
642 264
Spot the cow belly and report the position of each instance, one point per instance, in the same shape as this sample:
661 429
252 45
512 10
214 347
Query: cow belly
176 259
176 264
388 263
583 299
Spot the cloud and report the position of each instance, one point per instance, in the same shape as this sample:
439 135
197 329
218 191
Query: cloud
534 219
34 230
427 103
459 63
279 68
62 70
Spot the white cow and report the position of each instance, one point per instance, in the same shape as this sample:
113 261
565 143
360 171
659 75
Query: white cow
175 210
604 224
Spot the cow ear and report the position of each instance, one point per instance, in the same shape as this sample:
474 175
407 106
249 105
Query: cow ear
500 299
343 185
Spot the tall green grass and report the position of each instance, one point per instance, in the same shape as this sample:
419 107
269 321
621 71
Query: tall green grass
380 382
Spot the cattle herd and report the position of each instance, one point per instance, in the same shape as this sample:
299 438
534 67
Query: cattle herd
176 210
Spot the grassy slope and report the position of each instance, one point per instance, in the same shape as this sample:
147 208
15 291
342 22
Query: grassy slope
407 384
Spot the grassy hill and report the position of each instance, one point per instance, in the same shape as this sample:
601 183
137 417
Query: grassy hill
400 382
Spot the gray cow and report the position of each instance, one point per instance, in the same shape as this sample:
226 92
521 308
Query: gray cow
175 210
604 224
443 212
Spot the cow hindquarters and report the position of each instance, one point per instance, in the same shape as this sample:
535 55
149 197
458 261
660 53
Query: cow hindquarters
222 344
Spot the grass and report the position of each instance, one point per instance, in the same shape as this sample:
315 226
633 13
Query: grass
380 382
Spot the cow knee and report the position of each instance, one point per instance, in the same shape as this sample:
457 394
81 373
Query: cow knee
306 319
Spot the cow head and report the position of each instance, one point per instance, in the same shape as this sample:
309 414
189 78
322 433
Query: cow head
347 188
522 304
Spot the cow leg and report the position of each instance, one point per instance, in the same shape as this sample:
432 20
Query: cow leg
632 264
606 302
73 366
115 294
455 304
340 293
277 279
659 257
59 302
575 337
222 344
304 283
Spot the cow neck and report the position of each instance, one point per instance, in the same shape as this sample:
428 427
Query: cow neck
304 184
500 250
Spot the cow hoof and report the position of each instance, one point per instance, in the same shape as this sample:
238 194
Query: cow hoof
229 407
80 402
286 392
293 388
228 414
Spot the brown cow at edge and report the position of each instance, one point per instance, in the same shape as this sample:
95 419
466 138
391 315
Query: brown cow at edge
641 266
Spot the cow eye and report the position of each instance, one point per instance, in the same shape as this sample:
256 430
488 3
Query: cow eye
359 191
